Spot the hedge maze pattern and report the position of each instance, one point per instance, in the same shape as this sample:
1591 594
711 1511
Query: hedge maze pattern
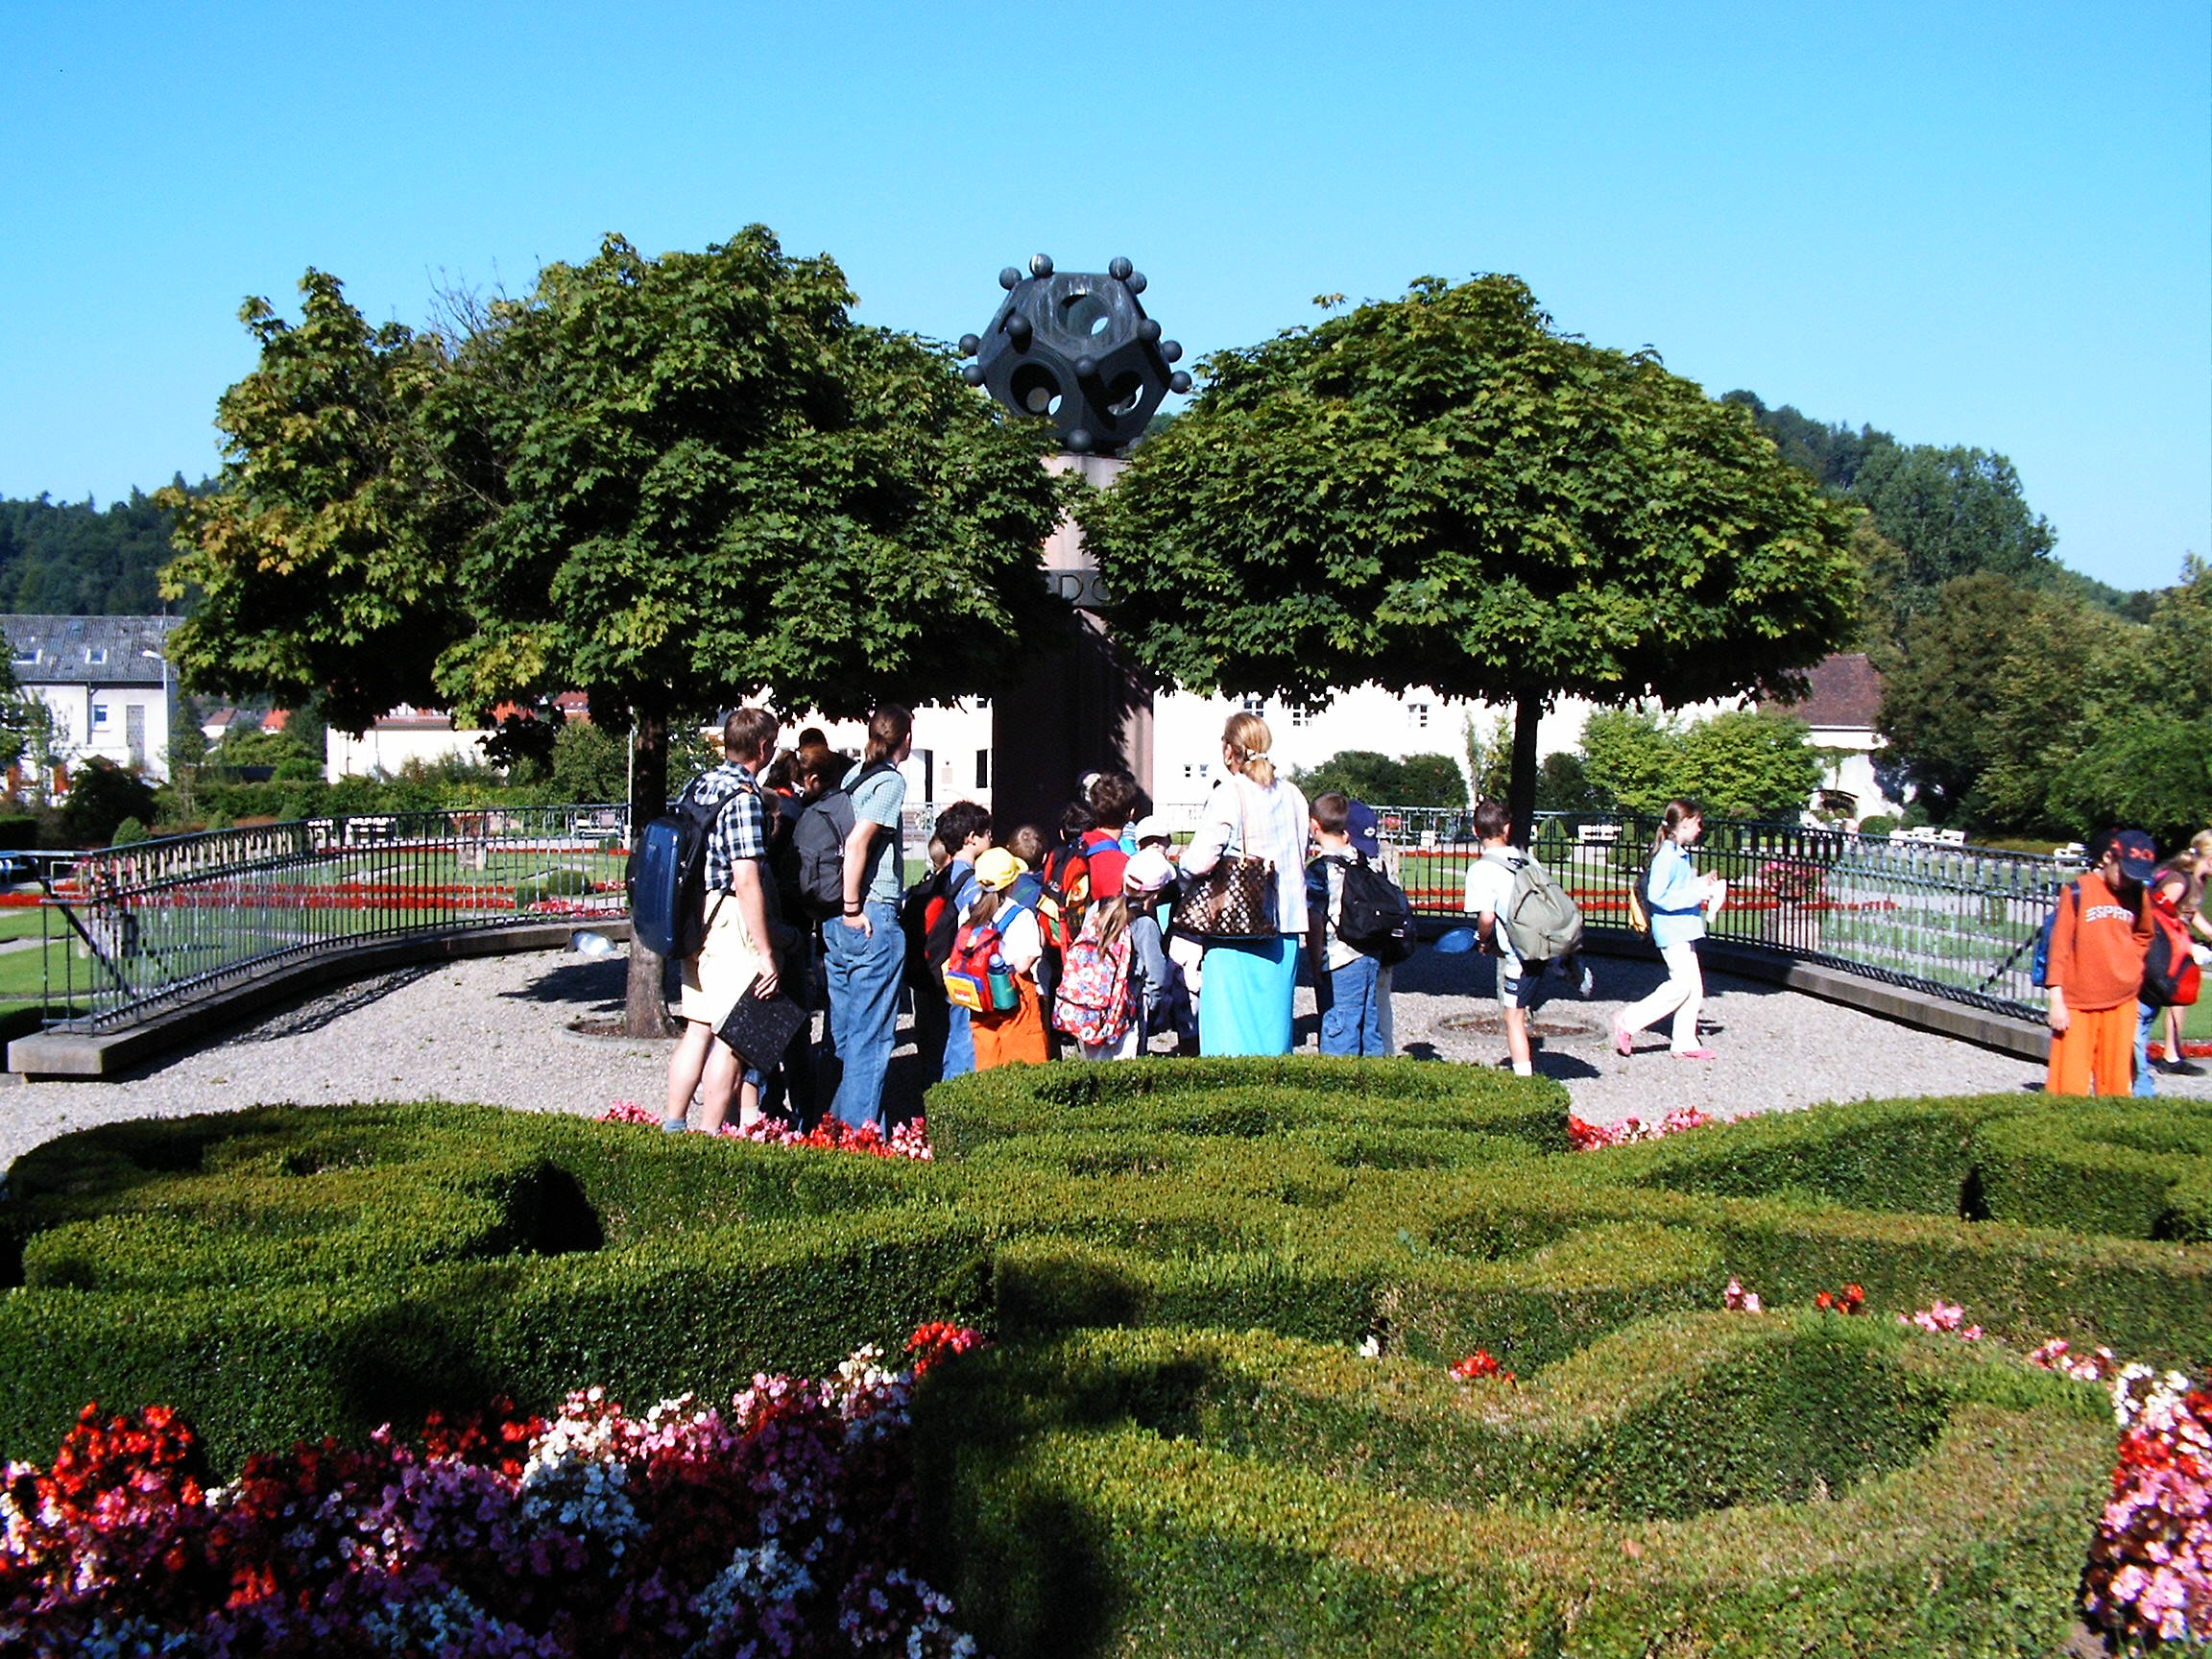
1175 1446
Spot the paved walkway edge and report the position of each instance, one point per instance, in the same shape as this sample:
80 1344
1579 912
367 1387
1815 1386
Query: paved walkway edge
1919 1009
94 1056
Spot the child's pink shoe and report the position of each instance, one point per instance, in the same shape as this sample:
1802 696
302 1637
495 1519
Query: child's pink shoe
1624 1044
1695 1054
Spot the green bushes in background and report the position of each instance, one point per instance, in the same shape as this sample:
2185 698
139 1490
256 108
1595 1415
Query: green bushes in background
1175 1447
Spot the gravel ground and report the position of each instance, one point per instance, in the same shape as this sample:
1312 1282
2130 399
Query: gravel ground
497 1029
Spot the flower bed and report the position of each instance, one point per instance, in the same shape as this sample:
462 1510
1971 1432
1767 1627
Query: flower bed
909 1140
780 1524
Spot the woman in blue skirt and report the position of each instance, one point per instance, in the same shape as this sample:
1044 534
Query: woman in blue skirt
1247 988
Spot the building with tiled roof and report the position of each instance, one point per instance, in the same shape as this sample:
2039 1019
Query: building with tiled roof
1842 707
105 678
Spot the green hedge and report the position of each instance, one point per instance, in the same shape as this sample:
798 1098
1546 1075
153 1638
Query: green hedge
1707 1484
287 1273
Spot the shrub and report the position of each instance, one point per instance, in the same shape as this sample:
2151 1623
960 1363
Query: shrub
1126 1465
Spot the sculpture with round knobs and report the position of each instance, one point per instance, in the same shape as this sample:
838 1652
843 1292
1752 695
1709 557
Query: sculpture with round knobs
1076 347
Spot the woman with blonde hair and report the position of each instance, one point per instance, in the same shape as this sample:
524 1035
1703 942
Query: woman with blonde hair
1251 984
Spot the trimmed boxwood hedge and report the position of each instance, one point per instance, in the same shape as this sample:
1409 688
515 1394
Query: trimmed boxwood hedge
1173 1447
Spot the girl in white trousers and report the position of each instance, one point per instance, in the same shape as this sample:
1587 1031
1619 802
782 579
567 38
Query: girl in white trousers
1679 898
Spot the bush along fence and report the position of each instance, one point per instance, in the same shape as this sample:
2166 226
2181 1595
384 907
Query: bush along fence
137 929
1251 1325
134 928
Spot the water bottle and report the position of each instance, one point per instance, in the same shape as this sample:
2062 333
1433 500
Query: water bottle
1003 997
591 945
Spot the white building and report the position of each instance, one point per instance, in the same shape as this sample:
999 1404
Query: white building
404 734
106 680
1841 710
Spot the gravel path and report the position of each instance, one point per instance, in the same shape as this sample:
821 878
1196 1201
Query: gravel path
495 1029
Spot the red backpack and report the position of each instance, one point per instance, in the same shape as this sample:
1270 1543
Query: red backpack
2171 976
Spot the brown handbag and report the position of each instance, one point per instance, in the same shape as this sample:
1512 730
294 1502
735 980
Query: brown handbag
1236 901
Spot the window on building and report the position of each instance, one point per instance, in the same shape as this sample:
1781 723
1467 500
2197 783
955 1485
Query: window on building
95 655
982 768
99 715
982 702
1301 716
25 658
1256 706
1418 713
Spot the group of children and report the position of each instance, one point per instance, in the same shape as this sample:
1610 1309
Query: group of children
1018 951
1021 952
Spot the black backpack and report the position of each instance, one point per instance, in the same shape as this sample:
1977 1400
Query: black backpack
1376 918
929 920
819 842
668 879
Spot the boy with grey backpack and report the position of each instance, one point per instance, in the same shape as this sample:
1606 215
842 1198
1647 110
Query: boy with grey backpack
1523 916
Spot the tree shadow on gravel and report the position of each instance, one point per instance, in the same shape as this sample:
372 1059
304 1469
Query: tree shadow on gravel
596 984
313 1013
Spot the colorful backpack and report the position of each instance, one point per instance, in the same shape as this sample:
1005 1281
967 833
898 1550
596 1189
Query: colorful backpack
971 981
1094 1004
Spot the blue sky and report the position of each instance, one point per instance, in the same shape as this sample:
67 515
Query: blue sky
1963 223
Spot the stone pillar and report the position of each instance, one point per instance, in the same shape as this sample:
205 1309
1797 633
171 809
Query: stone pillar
1076 712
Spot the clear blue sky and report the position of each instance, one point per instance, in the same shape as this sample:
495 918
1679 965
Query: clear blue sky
1986 223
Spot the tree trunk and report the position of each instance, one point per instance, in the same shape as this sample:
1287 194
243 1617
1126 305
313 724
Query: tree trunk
1521 787
646 1004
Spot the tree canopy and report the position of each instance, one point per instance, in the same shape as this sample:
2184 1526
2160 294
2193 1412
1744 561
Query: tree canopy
2022 709
1445 491
1371 776
76 559
1739 763
671 483
1937 513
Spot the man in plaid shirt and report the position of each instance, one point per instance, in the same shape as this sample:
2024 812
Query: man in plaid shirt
738 956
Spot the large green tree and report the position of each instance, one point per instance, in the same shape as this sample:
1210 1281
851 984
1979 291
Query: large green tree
1445 491
1943 697
671 483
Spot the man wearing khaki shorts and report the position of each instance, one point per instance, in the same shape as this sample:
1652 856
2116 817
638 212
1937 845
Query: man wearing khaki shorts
735 956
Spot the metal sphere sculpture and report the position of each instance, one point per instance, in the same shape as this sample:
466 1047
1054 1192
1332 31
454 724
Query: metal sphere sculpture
1076 347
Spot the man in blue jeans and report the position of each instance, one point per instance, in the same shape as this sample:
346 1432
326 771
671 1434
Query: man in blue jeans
864 951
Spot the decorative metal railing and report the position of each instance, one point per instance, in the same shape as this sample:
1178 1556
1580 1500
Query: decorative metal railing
1954 921
133 928
122 932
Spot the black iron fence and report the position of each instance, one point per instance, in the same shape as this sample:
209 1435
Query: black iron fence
1956 921
123 931
108 936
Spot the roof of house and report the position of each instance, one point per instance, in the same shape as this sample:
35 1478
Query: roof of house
1846 691
88 650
